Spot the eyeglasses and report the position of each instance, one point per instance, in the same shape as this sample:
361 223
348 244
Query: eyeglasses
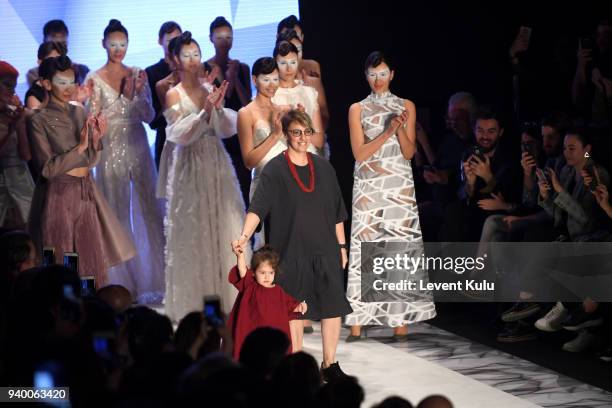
298 132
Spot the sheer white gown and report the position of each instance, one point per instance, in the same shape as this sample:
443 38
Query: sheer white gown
205 210
126 175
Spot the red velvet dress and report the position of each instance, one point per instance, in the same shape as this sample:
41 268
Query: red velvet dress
258 306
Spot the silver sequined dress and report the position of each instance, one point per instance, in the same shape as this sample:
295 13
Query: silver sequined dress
126 175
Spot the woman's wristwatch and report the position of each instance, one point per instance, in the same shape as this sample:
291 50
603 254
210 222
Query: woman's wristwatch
343 246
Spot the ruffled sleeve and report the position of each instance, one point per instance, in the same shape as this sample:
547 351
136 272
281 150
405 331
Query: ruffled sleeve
224 122
185 129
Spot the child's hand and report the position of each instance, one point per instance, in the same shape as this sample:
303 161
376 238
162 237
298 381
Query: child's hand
301 308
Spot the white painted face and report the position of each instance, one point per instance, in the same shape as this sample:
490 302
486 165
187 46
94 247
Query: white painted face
63 85
267 84
116 45
190 57
379 78
287 66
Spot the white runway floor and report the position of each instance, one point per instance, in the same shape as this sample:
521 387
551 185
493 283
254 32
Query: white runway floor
471 375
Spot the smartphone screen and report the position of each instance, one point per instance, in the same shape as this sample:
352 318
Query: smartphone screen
48 256
212 310
88 286
43 379
71 260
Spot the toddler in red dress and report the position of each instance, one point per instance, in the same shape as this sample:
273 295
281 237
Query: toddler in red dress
260 302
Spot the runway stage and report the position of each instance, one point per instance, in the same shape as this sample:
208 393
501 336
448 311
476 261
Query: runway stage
471 375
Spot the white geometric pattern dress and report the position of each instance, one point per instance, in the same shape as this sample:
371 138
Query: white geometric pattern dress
384 209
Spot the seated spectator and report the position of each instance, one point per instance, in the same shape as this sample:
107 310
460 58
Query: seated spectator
263 350
297 375
488 182
539 150
191 334
342 392
576 217
444 175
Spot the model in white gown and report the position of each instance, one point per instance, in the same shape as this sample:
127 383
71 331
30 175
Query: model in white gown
205 209
126 175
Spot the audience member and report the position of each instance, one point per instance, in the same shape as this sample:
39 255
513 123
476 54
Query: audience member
116 296
488 182
435 401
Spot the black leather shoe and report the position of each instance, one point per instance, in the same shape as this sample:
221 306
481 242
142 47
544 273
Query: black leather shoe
332 373
352 338
308 330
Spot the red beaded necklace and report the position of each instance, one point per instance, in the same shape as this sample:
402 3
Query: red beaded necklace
293 170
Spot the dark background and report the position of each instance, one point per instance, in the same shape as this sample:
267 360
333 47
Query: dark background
438 48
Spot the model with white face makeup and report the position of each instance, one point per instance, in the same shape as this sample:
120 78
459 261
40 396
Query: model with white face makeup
205 207
299 193
69 213
126 171
294 94
309 72
259 127
383 139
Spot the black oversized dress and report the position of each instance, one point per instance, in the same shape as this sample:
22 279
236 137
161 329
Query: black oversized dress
303 231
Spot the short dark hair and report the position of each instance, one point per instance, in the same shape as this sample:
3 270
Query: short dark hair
48 47
288 35
284 48
168 27
295 116
54 26
375 59
558 121
51 66
183 39
487 114
288 22
264 66
115 26
219 22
